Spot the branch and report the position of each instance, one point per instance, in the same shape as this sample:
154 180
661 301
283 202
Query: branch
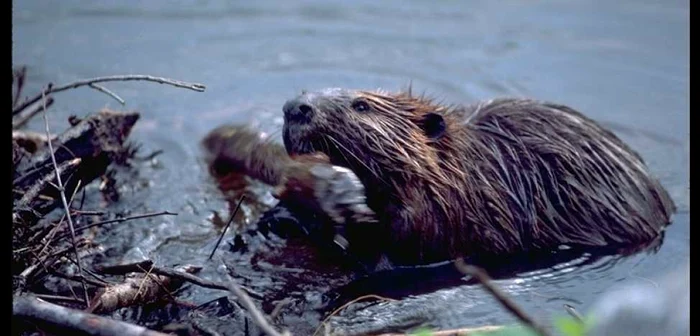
136 290
257 316
91 81
227 225
23 119
107 92
478 331
63 197
148 264
36 309
119 220
484 279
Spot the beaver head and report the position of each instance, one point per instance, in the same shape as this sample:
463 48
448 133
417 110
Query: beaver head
402 147
387 139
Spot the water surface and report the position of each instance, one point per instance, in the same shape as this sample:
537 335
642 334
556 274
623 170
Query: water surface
624 63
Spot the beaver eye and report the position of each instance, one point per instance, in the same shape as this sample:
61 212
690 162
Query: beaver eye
360 105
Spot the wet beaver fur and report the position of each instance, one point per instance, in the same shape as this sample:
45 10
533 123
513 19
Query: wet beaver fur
499 178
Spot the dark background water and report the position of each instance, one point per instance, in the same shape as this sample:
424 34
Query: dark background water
624 63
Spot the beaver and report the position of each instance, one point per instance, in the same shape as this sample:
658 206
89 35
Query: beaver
498 178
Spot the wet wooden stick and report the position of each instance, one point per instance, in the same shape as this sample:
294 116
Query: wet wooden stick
119 220
255 313
63 197
35 309
92 81
24 118
226 228
481 276
147 264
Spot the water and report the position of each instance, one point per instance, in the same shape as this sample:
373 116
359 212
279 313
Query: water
624 63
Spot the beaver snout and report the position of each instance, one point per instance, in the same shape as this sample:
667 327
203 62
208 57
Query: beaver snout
299 110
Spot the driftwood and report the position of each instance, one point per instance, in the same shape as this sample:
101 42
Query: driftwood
94 140
48 171
136 290
147 265
39 311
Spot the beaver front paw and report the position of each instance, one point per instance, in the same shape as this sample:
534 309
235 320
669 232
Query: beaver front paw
340 194
335 191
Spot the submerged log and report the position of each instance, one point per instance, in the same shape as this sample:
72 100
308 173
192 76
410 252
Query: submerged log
72 321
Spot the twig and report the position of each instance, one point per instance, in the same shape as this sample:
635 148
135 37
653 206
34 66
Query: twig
58 298
227 225
484 279
150 156
369 296
278 307
88 212
148 275
257 316
204 330
160 283
572 311
58 225
137 267
107 92
77 278
136 290
63 196
36 309
485 330
23 119
119 220
20 74
192 86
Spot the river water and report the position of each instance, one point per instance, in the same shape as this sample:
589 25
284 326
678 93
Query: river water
624 63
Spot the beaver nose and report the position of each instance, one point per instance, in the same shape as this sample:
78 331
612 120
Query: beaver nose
298 110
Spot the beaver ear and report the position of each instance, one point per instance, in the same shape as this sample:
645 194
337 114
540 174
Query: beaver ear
433 125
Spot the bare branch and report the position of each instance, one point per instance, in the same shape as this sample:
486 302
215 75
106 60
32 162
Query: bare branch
83 82
136 290
107 92
36 309
147 264
485 330
369 296
63 197
481 276
227 225
257 316
119 220
23 119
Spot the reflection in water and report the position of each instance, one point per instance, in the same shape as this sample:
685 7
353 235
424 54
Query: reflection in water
624 63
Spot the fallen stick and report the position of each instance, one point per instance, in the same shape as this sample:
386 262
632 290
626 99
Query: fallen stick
226 227
148 264
32 206
95 141
481 276
135 291
62 192
485 331
38 310
24 118
255 313
92 81
119 220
